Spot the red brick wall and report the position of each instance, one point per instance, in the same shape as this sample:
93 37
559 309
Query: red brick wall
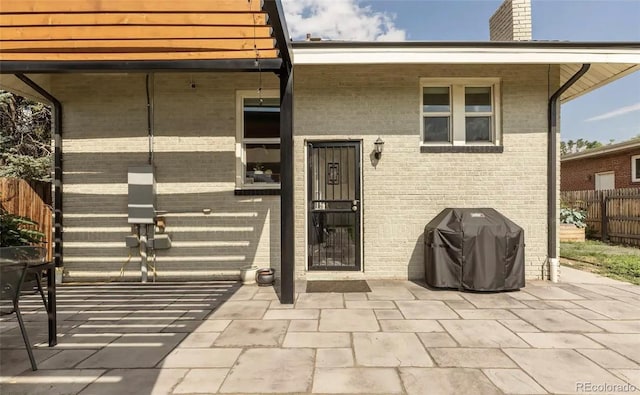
579 174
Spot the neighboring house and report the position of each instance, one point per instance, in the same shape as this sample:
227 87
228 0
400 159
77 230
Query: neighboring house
609 167
464 124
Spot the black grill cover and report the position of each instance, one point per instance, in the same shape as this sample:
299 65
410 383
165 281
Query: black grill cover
475 249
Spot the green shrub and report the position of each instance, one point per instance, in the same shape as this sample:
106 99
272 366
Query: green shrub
18 231
574 216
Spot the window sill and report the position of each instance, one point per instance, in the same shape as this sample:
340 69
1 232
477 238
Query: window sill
470 149
257 192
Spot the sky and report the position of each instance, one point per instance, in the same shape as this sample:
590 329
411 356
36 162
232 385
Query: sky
610 112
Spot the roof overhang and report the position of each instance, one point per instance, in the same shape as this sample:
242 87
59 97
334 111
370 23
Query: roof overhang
603 151
609 61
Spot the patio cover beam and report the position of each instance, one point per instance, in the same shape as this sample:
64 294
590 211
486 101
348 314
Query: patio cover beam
143 66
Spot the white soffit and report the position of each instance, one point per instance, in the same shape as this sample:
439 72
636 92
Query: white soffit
598 75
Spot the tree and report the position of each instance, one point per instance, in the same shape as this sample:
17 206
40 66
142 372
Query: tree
592 144
25 138
571 147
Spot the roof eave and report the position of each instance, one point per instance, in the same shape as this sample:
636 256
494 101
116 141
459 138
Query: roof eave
458 44
465 54
603 151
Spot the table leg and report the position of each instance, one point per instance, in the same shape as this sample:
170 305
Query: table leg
51 293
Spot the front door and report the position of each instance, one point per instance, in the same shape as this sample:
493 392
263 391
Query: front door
334 205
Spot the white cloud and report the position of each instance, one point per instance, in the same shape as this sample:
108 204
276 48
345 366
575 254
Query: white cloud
616 113
339 20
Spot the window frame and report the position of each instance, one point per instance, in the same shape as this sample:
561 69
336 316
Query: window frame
603 173
437 114
634 168
241 141
458 113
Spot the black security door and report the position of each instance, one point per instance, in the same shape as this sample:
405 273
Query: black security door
334 205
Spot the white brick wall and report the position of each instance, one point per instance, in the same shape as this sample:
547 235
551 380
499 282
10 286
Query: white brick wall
105 132
511 21
408 188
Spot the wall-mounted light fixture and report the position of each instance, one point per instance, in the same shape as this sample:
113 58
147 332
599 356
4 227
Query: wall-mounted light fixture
379 146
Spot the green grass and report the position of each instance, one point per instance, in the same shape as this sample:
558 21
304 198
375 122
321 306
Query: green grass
621 263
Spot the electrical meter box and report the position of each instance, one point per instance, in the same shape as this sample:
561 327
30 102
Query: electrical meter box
142 195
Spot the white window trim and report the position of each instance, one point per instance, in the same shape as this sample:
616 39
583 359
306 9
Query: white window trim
457 109
241 160
634 161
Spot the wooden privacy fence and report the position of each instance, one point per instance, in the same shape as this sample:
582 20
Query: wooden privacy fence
612 215
31 200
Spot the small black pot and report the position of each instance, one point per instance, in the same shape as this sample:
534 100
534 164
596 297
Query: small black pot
265 277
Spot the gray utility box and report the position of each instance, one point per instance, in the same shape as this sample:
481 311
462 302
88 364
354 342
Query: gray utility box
142 195
132 241
161 241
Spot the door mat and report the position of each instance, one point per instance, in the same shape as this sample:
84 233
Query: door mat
338 286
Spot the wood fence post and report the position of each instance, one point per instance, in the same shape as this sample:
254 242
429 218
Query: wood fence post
604 219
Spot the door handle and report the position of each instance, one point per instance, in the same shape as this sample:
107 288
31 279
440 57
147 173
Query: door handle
354 205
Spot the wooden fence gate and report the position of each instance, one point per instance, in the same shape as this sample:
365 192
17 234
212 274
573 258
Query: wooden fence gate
612 215
31 200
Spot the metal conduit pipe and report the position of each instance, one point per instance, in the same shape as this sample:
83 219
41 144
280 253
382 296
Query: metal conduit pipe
552 152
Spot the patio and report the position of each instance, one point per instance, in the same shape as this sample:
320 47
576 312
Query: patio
178 338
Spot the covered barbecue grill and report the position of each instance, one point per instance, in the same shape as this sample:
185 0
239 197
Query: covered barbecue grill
475 249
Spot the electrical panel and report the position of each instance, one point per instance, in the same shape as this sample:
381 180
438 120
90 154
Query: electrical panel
142 195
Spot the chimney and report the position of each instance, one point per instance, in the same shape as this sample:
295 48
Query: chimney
511 21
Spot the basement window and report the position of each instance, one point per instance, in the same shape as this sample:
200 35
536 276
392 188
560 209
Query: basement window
258 140
459 113
635 168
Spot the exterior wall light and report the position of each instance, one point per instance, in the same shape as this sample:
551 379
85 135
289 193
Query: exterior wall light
379 147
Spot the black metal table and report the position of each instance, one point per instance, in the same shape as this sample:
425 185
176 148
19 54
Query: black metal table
50 304
34 259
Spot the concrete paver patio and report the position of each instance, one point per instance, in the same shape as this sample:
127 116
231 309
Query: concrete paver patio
401 338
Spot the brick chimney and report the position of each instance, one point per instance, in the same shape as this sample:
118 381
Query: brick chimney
511 21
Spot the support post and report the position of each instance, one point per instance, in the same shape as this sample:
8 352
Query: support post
604 220
57 208
287 223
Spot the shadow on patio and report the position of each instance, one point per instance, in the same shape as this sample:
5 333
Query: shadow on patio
113 338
